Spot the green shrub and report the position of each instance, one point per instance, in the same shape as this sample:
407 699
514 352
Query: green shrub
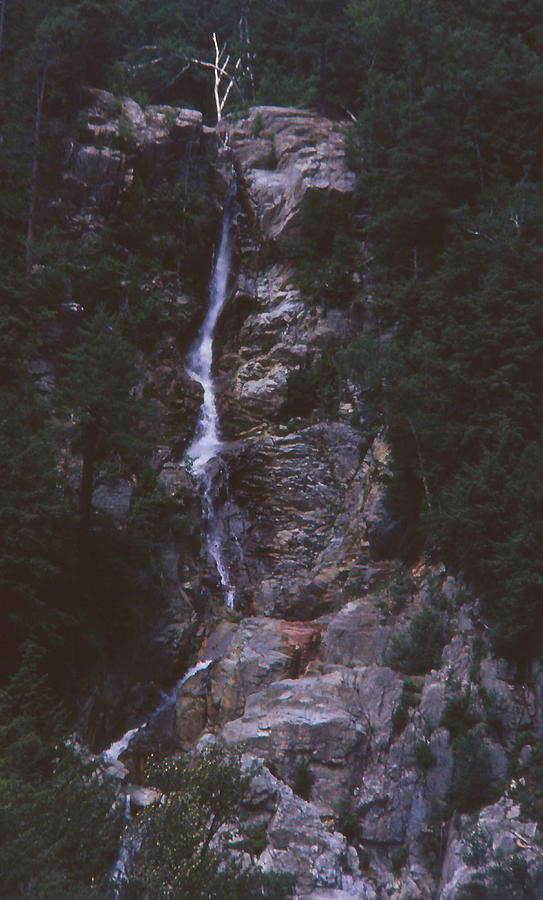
417 650
401 588
511 877
459 715
257 125
186 850
348 820
410 699
473 785
398 859
477 846
495 708
313 387
255 838
303 780
529 777
326 252
423 755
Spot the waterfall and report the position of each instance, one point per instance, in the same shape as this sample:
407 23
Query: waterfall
206 442
132 837
129 847
112 753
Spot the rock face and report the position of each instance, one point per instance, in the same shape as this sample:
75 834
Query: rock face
380 771
282 155
290 500
120 139
321 860
368 744
323 722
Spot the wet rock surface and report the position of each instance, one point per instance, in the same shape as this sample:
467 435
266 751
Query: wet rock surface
284 153
301 675
303 681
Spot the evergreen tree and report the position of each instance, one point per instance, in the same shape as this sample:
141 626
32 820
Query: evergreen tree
187 842
59 824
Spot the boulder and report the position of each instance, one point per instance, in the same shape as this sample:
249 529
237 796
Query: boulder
327 722
355 635
283 154
301 845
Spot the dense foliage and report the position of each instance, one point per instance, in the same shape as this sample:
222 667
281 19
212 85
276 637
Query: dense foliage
59 824
450 127
192 839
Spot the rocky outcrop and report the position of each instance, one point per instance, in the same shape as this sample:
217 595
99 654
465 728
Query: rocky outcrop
282 155
324 723
283 332
297 843
405 767
288 498
120 140
358 738
497 854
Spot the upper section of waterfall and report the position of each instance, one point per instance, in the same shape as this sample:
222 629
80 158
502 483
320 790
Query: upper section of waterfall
206 441
200 358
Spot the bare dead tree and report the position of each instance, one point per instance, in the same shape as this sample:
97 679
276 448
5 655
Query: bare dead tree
425 485
3 4
220 75
41 80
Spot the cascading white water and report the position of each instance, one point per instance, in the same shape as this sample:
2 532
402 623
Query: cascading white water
112 754
129 846
206 442
132 838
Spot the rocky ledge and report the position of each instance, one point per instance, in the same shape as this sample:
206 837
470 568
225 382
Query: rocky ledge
385 735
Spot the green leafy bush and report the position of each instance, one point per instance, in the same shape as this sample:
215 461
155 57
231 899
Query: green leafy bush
187 843
418 649
410 699
348 820
51 800
423 755
303 780
477 847
459 714
473 784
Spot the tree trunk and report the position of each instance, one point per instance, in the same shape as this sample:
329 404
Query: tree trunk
41 78
322 76
424 479
90 440
2 16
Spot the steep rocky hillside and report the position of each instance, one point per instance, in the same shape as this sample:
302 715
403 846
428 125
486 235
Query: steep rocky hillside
394 753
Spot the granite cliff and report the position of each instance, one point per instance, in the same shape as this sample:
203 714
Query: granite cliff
393 749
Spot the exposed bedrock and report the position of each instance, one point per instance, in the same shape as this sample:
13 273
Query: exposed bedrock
299 513
312 676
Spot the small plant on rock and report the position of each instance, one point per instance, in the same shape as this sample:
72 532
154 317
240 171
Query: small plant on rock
417 650
473 785
477 846
398 859
459 714
303 780
401 588
410 700
348 820
423 754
